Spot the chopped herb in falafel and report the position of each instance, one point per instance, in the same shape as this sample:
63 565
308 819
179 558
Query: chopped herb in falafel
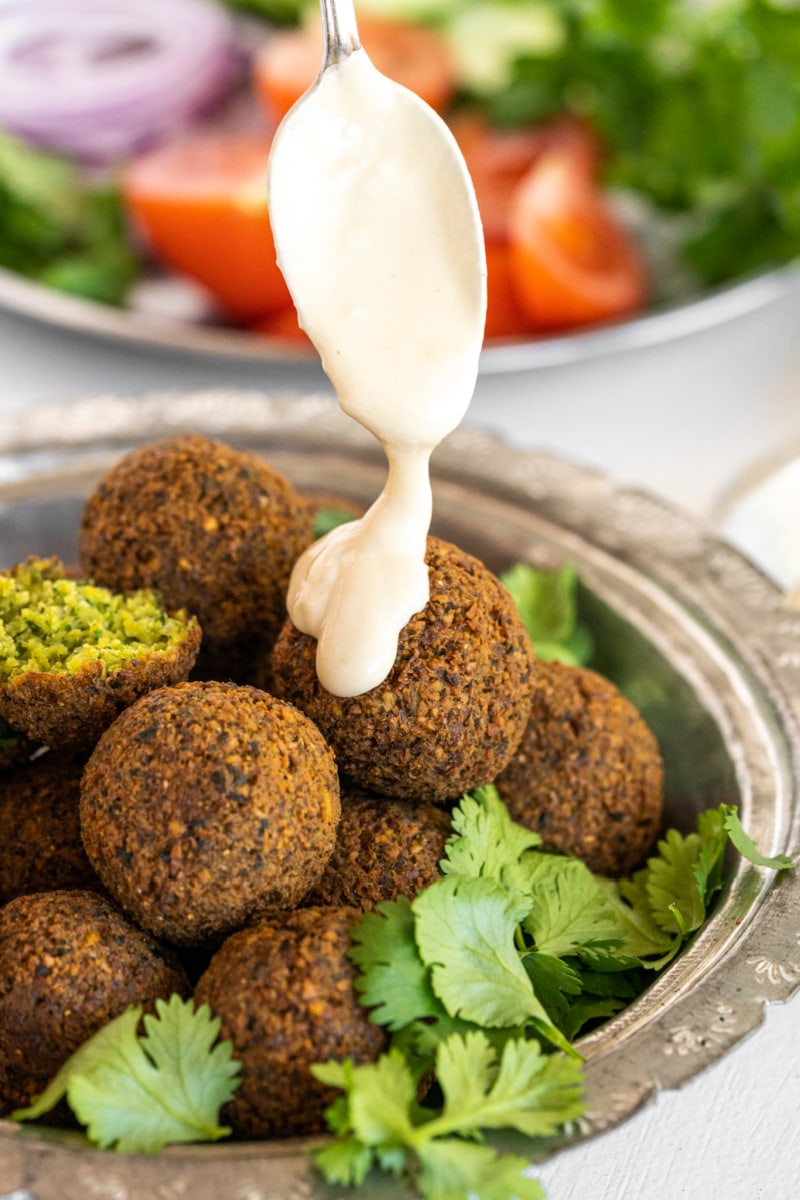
58 625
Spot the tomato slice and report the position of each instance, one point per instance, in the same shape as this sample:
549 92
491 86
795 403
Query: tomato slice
201 206
284 325
504 317
413 55
571 261
498 159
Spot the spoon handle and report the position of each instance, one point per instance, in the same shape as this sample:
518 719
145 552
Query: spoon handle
340 31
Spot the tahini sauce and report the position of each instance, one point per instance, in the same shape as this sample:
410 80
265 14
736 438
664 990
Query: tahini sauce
378 235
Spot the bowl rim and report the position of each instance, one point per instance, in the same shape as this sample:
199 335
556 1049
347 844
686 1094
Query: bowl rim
674 321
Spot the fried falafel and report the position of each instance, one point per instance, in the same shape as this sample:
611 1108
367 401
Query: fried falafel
40 830
73 655
69 963
384 849
284 994
588 774
452 710
214 529
206 806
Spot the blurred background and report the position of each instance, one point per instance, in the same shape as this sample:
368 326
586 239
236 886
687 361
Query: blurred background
636 167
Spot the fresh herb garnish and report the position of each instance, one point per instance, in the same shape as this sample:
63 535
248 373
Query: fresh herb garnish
513 947
60 230
697 105
326 519
547 603
140 1092
380 1122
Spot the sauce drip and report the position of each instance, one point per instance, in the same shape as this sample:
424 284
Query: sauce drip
377 233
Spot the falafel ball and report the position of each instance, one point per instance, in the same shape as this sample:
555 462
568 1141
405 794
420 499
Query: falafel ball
72 655
588 774
284 994
384 849
452 710
209 805
40 830
69 963
214 529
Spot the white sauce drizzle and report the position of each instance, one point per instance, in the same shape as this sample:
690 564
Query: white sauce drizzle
378 235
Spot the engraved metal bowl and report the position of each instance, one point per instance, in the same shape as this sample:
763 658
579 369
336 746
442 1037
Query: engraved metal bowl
690 630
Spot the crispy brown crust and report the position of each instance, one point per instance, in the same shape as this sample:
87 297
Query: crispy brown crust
215 530
209 805
71 711
453 708
384 849
69 963
40 831
284 994
588 774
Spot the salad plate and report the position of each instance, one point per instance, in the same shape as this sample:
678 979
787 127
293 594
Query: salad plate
686 626
153 326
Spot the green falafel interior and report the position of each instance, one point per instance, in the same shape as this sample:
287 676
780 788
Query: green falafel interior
58 625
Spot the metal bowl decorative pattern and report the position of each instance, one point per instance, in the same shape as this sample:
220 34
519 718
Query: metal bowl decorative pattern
686 626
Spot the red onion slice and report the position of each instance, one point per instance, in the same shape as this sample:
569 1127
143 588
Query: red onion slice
100 79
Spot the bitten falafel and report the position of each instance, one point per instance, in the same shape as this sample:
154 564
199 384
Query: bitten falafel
284 994
452 710
69 963
40 830
209 805
73 655
588 774
384 849
214 529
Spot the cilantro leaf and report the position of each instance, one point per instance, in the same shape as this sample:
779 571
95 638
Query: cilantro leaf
547 603
140 1093
677 903
527 1090
394 981
487 842
326 519
521 1089
455 1170
569 911
465 930
744 844
555 982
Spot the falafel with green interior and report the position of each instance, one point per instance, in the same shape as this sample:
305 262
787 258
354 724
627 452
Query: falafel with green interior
214 529
69 962
451 711
73 654
209 805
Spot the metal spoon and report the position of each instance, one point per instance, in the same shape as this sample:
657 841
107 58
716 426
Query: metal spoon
389 263
339 30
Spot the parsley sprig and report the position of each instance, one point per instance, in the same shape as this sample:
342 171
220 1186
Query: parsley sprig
513 949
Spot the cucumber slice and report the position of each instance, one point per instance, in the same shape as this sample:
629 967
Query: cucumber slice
434 11
487 38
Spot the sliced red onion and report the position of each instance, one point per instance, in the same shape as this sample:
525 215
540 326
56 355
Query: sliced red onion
101 79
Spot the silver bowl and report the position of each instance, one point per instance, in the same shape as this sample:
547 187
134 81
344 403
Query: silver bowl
687 627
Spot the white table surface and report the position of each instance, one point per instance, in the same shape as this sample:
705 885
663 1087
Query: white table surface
681 421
